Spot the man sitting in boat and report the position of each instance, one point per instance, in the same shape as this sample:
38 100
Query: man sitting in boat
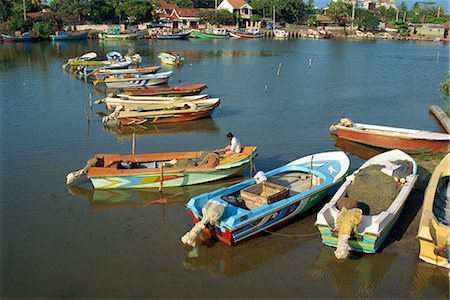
235 145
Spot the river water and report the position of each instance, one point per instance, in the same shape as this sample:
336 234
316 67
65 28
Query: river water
73 242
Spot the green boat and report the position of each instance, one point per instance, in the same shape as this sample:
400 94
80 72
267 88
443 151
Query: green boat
211 33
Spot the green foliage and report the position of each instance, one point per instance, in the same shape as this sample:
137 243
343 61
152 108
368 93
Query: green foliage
402 27
182 3
445 90
289 11
441 20
339 10
219 17
255 18
365 19
43 29
204 3
19 24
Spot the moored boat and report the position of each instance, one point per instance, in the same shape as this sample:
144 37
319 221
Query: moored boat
169 59
365 208
246 34
101 73
179 90
115 35
24 37
434 228
137 80
187 112
408 140
115 171
246 209
211 33
280 34
174 36
69 35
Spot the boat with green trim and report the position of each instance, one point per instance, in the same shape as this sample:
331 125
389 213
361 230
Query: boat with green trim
116 171
211 33
393 173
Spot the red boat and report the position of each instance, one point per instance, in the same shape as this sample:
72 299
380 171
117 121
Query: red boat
180 90
408 140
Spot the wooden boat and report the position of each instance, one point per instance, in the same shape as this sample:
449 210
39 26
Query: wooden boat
169 59
115 171
117 36
130 80
101 73
409 140
188 112
75 65
249 207
140 103
396 169
179 90
246 34
434 228
211 33
280 34
69 35
174 36
25 37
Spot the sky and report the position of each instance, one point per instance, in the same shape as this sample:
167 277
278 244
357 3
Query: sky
409 3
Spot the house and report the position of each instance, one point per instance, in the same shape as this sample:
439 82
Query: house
240 6
183 18
428 31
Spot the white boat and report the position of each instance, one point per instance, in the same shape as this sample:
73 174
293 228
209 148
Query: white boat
169 59
393 171
280 34
136 80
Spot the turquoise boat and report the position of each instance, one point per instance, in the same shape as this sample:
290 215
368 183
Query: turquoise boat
266 201
211 33
69 35
374 227
153 170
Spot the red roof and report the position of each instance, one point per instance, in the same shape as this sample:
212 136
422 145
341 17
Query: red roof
237 3
446 25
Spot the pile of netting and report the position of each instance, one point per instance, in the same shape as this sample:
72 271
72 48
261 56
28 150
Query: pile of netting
188 162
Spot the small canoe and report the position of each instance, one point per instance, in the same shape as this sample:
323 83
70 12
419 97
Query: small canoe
101 73
434 228
169 59
25 37
250 207
130 80
188 112
246 34
69 35
115 171
180 90
380 188
174 36
121 36
408 140
148 103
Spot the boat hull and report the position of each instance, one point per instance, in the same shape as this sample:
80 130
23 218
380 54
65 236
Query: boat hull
62 36
177 36
203 35
121 37
138 82
409 145
169 92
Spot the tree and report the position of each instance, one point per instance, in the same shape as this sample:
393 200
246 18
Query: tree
445 90
365 19
339 10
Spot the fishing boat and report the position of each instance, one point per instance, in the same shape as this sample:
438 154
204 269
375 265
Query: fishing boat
174 36
280 34
434 228
114 34
140 103
100 73
153 170
408 140
247 34
69 35
373 196
188 112
169 59
211 33
24 37
86 63
179 90
266 201
134 80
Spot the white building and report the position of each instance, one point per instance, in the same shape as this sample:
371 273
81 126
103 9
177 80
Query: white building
244 9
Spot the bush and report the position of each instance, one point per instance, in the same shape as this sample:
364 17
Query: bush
43 29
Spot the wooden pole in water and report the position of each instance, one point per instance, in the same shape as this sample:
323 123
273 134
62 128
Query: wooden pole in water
133 144
161 177
251 164
279 68
309 63
87 115
90 101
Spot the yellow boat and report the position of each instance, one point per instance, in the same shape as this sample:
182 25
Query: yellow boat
434 229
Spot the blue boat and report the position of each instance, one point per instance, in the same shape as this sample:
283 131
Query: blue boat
66 35
177 36
25 37
266 201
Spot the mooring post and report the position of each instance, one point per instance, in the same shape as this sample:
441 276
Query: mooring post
279 69
251 164
161 177
90 101
309 63
133 144
87 115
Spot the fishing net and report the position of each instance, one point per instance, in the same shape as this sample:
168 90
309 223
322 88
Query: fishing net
188 162
374 190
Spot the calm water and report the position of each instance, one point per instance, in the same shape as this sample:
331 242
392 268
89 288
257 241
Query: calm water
60 242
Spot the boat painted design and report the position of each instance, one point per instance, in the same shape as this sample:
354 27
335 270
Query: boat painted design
25 37
246 34
144 170
140 103
190 111
434 228
179 90
169 59
121 36
174 36
69 35
408 140
307 180
211 33
373 229
135 80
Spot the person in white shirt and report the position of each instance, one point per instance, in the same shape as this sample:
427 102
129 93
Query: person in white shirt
235 145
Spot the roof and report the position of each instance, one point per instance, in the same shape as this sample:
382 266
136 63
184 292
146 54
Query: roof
237 3
164 5
185 12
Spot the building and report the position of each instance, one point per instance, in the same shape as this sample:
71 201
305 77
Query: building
240 6
371 4
428 31
176 17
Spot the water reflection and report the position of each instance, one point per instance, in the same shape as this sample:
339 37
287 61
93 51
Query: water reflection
354 276
359 150
429 279
125 133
